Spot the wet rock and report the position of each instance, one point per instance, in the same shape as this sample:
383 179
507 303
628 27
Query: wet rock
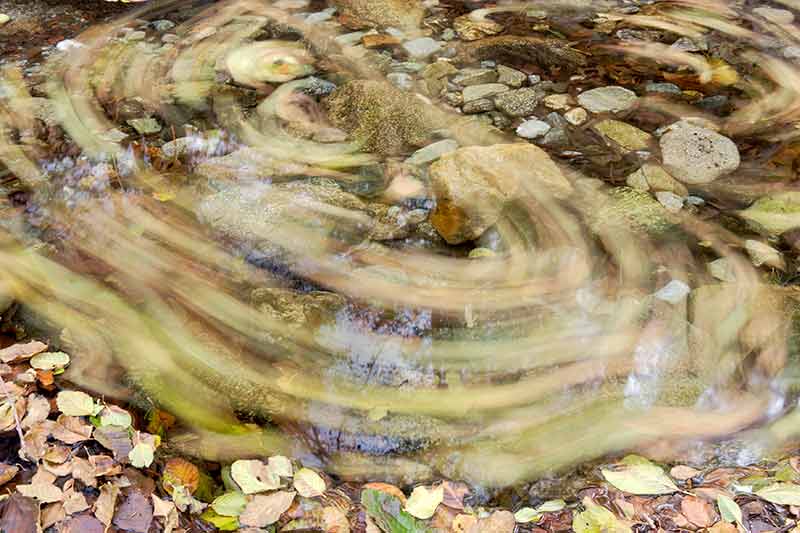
557 102
509 76
533 79
763 254
684 44
519 102
432 152
472 30
481 105
713 103
474 92
625 137
320 16
654 177
628 209
435 76
384 119
401 80
379 40
475 76
252 215
403 14
183 146
611 99
296 309
775 214
532 129
472 185
663 88
145 126
576 116
500 120
777 16
673 292
162 25
541 51
245 164
671 201
696 155
558 135
422 47
454 99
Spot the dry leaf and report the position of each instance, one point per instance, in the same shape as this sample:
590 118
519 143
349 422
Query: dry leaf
83 524
266 509
7 473
179 471
71 429
454 494
38 409
423 502
683 472
74 502
83 471
135 513
698 511
21 352
308 483
280 465
49 361
106 503
41 492
142 455
161 508
640 479
76 403
388 489
20 515
111 415
254 476
463 523
103 465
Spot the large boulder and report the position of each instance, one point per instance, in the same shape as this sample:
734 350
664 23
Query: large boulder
472 185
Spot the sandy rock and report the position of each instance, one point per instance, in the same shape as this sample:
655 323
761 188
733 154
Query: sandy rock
476 92
510 76
472 30
475 76
472 185
696 155
625 137
611 99
520 102
403 14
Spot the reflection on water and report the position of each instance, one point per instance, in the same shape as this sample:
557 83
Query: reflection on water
492 317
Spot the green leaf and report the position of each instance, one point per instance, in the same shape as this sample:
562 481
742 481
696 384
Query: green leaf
49 360
640 479
597 519
781 493
76 403
141 456
229 504
111 415
386 510
729 510
551 506
423 502
223 523
526 515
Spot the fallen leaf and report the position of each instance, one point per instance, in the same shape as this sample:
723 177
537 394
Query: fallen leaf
83 470
41 492
141 456
781 493
184 500
105 504
77 403
308 483
388 489
423 502
7 473
179 471
266 509
21 352
74 502
135 513
698 511
640 479
597 519
52 514
38 409
528 514
723 527
83 524
20 515
497 522
683 472
462 523
222 523
111 415
71 429
229 504
334 520
280 465
103 465
454 494
116 439
729 510
161 508
49 361
387 513
254 476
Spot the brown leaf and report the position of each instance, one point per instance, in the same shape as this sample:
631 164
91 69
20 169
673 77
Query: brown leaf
266 509
83 471
83 524
71 429
698 511
104 465
20 352
46 379
51 514
37 411
334 520
35 442
463 523
388 489
104 506
179 471
454 494
7 473
116 439
723 527
74 502
20 515
497 522
135 513
683 472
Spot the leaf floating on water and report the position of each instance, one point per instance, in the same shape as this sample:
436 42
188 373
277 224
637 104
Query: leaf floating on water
423 502
386 511
308 483
76 403
729 510
597 519
229 504
781 494
529 514
141 456
265 509
640 479
253 476
49 360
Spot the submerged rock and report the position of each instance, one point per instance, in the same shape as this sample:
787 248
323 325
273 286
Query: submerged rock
472 185
475 76
773 215
625 137
543 52
611 99
422 47
519 103
403 14
381 117
696 155
531 129
471 30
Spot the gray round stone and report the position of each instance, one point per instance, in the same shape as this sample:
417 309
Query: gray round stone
611 99
696 155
